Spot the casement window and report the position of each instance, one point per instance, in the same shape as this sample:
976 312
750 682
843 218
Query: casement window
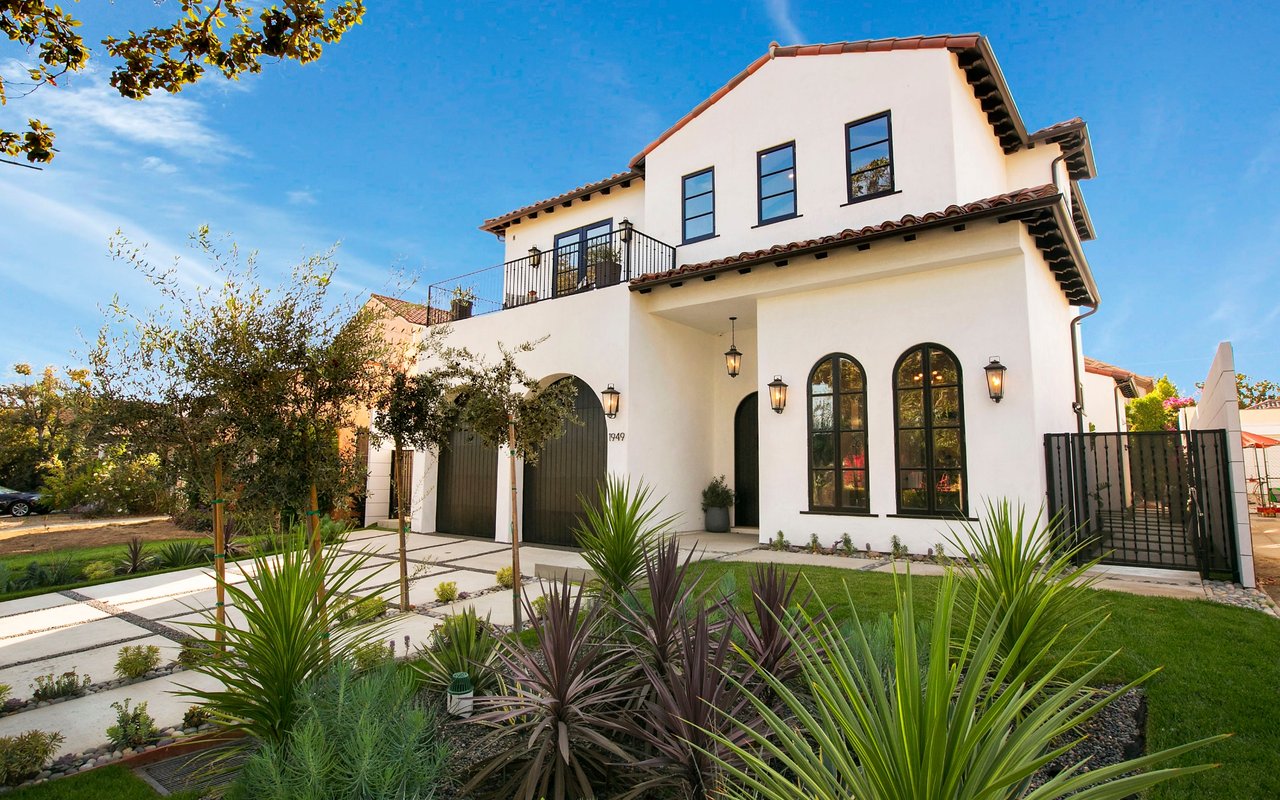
838 436
577 252
698 204
869 143
776 168
929 424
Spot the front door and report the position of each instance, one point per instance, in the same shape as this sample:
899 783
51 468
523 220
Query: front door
569 470
746 462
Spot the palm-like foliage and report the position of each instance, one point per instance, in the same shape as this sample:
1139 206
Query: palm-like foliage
462 643
183 553
970 727
285 638
1019 572
566 706
767 634
135 558
655 626
618 533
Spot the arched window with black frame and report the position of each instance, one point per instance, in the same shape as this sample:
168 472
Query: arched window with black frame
928 410
838 436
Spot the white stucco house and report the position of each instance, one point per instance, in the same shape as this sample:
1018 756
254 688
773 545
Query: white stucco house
1106 389
869 223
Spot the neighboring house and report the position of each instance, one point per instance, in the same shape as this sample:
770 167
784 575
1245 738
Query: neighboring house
880 223
1262 463
1107 388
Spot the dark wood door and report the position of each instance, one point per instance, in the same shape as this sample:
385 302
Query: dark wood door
746 462
569 470
467 486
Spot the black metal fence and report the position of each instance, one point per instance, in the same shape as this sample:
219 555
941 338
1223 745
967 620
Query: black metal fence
595 263
1151 499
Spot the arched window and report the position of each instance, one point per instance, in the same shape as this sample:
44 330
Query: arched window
929 421
838 436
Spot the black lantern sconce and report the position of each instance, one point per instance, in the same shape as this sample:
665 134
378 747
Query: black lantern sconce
535 256
733 358
995 379
626 227
610 396
777 394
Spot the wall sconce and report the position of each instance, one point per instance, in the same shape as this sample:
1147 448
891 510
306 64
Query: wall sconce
733 358
777 394
995 379
610 397
535 256
626 227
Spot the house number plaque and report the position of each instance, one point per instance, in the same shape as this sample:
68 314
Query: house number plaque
617 437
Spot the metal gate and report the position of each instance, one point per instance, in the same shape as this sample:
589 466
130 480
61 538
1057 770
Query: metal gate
569 470
1147 499
468 486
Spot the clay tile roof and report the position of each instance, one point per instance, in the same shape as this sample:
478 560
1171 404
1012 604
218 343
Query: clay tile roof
1118 374
413 313
1265 405
497 224
1072 136
1035 205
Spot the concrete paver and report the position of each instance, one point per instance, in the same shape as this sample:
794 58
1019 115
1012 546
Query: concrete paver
423 590
59 616
98 663
389 543
35 603
165 584
66 640
530 557
495 605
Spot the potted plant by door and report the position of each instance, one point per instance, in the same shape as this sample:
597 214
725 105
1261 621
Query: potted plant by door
716 499
603 263
460 305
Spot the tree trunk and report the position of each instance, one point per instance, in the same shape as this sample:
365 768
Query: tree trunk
219 548
515 529
402 486
317 551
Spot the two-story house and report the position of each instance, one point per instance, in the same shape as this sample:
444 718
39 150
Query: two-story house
802 284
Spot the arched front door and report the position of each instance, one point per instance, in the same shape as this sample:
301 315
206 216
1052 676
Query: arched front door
746 462
467 486
569 467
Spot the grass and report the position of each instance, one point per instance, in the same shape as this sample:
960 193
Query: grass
114 782
1219 669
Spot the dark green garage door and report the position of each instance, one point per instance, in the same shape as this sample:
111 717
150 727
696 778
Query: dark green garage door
467 486
570 467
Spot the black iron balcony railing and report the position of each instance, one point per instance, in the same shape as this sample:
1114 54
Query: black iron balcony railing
595 263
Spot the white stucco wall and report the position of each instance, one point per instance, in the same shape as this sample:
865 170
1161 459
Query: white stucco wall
1103 405
541 232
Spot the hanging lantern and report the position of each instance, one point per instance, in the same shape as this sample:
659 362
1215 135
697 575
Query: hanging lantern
777 393
733 358
535 256
995 378
610 399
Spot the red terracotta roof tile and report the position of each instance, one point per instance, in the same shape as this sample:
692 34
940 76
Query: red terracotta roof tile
496 224
1097 367
413 313
1072 136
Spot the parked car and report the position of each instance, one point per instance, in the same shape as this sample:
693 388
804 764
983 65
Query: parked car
20 504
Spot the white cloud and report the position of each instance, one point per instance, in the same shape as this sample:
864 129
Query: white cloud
159 165
301 197
780 14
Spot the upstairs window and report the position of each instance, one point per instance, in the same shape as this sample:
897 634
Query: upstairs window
698 199
870 159
777 182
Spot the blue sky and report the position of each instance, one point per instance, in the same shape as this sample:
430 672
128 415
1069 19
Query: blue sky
427 119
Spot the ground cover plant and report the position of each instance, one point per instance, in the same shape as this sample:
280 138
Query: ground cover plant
115 782
66 684
133 727
135 660
24 755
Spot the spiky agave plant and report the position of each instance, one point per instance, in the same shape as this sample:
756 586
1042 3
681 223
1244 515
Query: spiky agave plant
971 726
619 531
462 643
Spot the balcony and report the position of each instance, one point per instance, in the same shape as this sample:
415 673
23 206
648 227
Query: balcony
595 263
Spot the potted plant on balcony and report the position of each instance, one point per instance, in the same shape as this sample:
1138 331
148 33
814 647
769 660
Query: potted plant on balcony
716 499
603 265
460 305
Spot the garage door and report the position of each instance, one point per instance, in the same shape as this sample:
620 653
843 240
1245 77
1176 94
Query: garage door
569 467
467 486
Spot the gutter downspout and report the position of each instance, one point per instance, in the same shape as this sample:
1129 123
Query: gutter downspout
1078 406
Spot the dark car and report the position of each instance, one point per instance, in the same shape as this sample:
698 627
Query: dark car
20 504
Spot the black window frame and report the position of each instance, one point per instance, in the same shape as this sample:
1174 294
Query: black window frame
582 245
795 183
887 116
837 393
927 426
685 197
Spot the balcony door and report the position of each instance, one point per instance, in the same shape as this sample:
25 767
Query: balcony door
579 254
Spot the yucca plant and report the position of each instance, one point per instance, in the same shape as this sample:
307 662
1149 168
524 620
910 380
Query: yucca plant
767 633
618 532
973 726
135 558
565 707
285 638
1018 570
654 626
462 643
183 553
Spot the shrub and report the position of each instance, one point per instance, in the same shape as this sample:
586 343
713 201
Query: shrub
504 577
462 643
365 609
940 553
134 661
371 656
779 542
51 573
846 544
5 691
896 548
357 736
194 651
183 553
99 570
815 546
284 641
446 591
23 756
49 687
566 705
618 531
971 725
135 558
538 606
195 716
134 726
717 494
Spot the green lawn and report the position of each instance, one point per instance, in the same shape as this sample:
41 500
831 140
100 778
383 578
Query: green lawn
109 783
1220 669
81 555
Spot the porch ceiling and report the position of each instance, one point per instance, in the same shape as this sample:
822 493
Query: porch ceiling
713 315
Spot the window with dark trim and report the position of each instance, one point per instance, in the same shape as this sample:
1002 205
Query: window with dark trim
776 184
869 145
698 205
928 410
838 436
578 253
